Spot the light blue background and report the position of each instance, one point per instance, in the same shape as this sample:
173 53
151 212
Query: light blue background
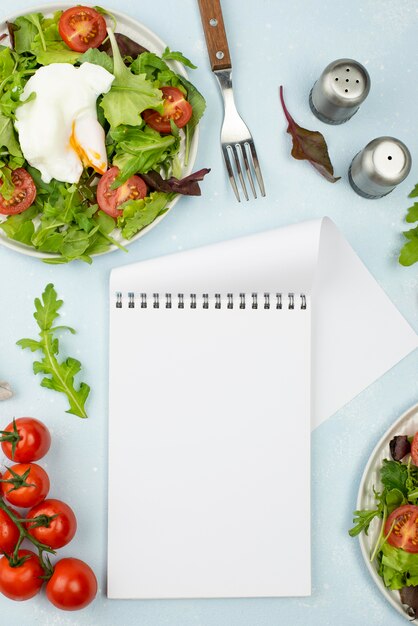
271 43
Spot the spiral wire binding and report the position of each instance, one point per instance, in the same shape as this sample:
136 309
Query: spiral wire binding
266 301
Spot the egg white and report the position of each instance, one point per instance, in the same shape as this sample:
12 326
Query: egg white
59 133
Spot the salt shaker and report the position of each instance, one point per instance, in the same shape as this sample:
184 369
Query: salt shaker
379 167
339 91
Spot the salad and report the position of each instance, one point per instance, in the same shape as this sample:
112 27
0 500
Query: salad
395 551
94 133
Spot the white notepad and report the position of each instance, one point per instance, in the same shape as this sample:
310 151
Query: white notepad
210 403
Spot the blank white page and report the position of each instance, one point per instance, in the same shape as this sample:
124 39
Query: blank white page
209 451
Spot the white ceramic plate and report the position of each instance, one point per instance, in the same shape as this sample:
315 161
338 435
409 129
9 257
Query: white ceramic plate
140 33
407 424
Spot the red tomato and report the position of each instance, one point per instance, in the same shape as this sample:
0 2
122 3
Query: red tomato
405 528
24 194
176 108
60 530
414 449
9 532
109 199
82 28
72 586
21 582
29 440
26 496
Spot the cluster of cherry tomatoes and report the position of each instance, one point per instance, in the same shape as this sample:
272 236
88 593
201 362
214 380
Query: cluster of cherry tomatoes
47 524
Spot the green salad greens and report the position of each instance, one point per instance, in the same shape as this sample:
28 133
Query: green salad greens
409 252
395 549
66 220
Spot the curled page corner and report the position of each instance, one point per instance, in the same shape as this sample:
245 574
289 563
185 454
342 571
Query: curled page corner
357 332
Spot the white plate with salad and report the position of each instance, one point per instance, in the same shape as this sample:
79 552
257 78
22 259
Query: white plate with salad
387 510
98 131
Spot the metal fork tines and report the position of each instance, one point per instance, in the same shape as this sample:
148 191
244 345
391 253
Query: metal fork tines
237 144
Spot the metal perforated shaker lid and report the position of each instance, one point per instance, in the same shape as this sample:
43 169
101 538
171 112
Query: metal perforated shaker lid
339 91
379 167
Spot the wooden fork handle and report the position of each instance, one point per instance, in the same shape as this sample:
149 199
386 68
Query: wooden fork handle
215 35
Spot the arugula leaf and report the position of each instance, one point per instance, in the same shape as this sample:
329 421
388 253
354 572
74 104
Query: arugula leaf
362 521
59 376
409 252
129 95
137 214
93 55
169 55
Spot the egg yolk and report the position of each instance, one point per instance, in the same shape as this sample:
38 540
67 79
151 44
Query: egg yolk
99 166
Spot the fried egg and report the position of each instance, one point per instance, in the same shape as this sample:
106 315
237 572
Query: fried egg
59 132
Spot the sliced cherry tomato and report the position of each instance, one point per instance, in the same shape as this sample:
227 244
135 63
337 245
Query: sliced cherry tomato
21 582
9 532
414 449
34 487
176 108
72 586
404 533
82 28
109 199
24 194
56 532
26 439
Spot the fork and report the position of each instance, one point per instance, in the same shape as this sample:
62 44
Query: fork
237 143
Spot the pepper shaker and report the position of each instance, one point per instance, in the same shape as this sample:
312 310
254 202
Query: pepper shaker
339 91
379 167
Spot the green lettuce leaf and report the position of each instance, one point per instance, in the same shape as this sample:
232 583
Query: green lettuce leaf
8 137
169 55
140 150
93 55
157 70
137 214
129 95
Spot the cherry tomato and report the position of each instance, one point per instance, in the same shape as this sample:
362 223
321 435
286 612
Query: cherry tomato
29 438
21 582
26 496
414 449
9 532
176 108
82 28
58 531
109 199
24 194
72 586
405 528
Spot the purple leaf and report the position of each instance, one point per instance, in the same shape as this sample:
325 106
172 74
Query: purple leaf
188 186
309 145
399 447
127 46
